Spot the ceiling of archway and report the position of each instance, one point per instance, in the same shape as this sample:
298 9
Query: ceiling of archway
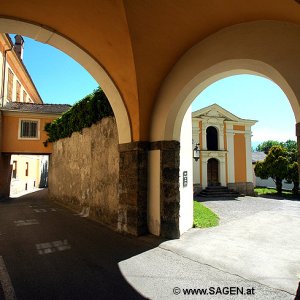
138 41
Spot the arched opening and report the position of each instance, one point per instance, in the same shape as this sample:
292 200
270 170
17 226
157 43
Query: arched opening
190 76
53 38
212 138
213 172
121 134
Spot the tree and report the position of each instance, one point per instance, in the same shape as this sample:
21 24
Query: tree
293 168
290 145
293 176
266 146
275 166
290 153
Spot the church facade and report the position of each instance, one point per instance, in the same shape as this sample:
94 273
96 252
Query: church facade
222 144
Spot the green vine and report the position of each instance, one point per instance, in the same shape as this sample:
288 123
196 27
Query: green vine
82 114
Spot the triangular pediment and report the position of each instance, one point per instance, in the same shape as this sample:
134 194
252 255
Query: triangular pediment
217 112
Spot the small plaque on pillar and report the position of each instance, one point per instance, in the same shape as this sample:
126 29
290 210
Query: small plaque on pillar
185 179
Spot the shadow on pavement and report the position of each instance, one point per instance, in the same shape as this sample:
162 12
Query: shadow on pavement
281 197
207 199
87 268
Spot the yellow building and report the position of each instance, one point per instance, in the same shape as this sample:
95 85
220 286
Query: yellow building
16 83
225 155
23 116
23 125
28 172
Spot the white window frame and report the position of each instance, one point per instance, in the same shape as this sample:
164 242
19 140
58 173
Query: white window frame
28 138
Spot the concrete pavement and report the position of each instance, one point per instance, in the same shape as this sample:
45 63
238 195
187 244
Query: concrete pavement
261 244
51 253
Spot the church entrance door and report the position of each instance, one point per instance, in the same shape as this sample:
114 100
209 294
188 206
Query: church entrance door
213 172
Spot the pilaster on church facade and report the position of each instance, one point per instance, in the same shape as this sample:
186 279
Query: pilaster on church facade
224 141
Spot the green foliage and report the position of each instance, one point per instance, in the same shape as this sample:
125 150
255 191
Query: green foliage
293 172
293 176
261 171
289 145
267 145
82 114
277 165
269 191
204 217
264 191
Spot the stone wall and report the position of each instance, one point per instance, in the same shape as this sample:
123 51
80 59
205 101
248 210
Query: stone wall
133 188
84 172
169 187
246 188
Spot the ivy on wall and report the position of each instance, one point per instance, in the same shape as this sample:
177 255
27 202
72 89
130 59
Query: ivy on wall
82 114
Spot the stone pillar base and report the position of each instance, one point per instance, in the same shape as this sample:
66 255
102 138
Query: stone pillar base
246 188
132 212
5 175
169 187
197 188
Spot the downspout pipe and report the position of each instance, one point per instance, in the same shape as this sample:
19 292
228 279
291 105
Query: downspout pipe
3 75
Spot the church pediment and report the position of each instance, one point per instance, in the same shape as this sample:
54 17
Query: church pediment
215 111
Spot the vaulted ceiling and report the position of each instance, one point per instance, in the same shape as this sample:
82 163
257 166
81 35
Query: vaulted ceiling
139 41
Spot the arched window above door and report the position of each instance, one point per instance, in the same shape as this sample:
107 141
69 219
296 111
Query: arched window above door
212 138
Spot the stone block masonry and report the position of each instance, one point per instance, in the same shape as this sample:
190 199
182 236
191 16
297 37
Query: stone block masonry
245 188
91 173
133 188
84 172
169 187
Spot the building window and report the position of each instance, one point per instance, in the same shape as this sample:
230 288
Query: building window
14 171
24 96
29 129
212 138
10 81
27 169
18 91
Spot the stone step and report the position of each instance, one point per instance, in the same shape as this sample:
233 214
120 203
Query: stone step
218 192
224 189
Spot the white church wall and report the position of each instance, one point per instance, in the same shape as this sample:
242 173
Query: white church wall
186 174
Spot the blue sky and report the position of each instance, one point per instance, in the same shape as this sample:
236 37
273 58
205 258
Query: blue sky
256 98
59 79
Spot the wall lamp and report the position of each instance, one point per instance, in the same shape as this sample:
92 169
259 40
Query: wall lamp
196 152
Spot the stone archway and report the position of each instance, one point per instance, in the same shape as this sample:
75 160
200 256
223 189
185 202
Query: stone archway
53 38
131 217
260 53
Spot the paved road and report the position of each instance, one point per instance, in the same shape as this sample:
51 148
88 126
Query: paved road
258 239
50 253
231 210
